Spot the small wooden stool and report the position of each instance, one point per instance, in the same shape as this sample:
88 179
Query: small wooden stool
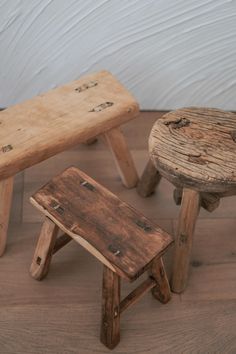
55 121
195 149
125 241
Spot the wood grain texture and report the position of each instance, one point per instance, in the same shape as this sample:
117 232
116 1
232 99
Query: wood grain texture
183 244
123 159
196 147
110 229
110 323
6 190
61 118
44 250
162 290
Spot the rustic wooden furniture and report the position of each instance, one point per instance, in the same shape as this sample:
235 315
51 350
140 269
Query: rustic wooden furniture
55 121
195 149
125 241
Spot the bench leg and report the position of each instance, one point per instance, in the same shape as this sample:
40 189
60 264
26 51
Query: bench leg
44 250
110 325
162 290
125 164
91 141
149 180
183 244
6 190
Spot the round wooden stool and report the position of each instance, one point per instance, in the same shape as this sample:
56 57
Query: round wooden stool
195 149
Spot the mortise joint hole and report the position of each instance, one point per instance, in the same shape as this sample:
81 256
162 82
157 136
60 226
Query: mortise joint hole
114 250
143 225
101 107
54 204
7 148
87 185
86 86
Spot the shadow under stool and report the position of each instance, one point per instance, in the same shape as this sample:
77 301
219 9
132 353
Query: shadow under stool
195 149
125 241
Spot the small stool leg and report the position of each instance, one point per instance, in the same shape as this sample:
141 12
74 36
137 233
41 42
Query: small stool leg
162 290
149 180
177 194
44 250
6 190
110 325
123 159
183 244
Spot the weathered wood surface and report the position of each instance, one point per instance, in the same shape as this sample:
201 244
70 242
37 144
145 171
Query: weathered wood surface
44 250
110 323
149 180
117 234
6 190
183 244
196 147
61 118
122 156
162 289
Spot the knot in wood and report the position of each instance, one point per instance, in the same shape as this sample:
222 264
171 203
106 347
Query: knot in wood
182 239
196 159
179 123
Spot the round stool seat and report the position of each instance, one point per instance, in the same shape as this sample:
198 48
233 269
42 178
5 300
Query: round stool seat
196 148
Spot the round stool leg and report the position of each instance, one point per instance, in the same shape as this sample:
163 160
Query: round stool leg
183 244
149 180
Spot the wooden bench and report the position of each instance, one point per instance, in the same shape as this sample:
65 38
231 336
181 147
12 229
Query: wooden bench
125 241
50 123
195 149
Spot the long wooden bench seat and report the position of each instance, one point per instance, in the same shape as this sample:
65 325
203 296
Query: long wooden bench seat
124 240
50 123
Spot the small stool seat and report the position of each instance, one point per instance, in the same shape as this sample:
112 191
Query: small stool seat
125 241
195 149
75 113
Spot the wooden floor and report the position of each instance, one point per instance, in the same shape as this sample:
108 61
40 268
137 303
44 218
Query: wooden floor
61 315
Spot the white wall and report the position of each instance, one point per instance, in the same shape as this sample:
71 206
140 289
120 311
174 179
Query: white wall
169 53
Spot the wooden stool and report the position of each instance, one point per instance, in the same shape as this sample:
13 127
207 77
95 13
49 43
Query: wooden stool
195 149
55 121
125 241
